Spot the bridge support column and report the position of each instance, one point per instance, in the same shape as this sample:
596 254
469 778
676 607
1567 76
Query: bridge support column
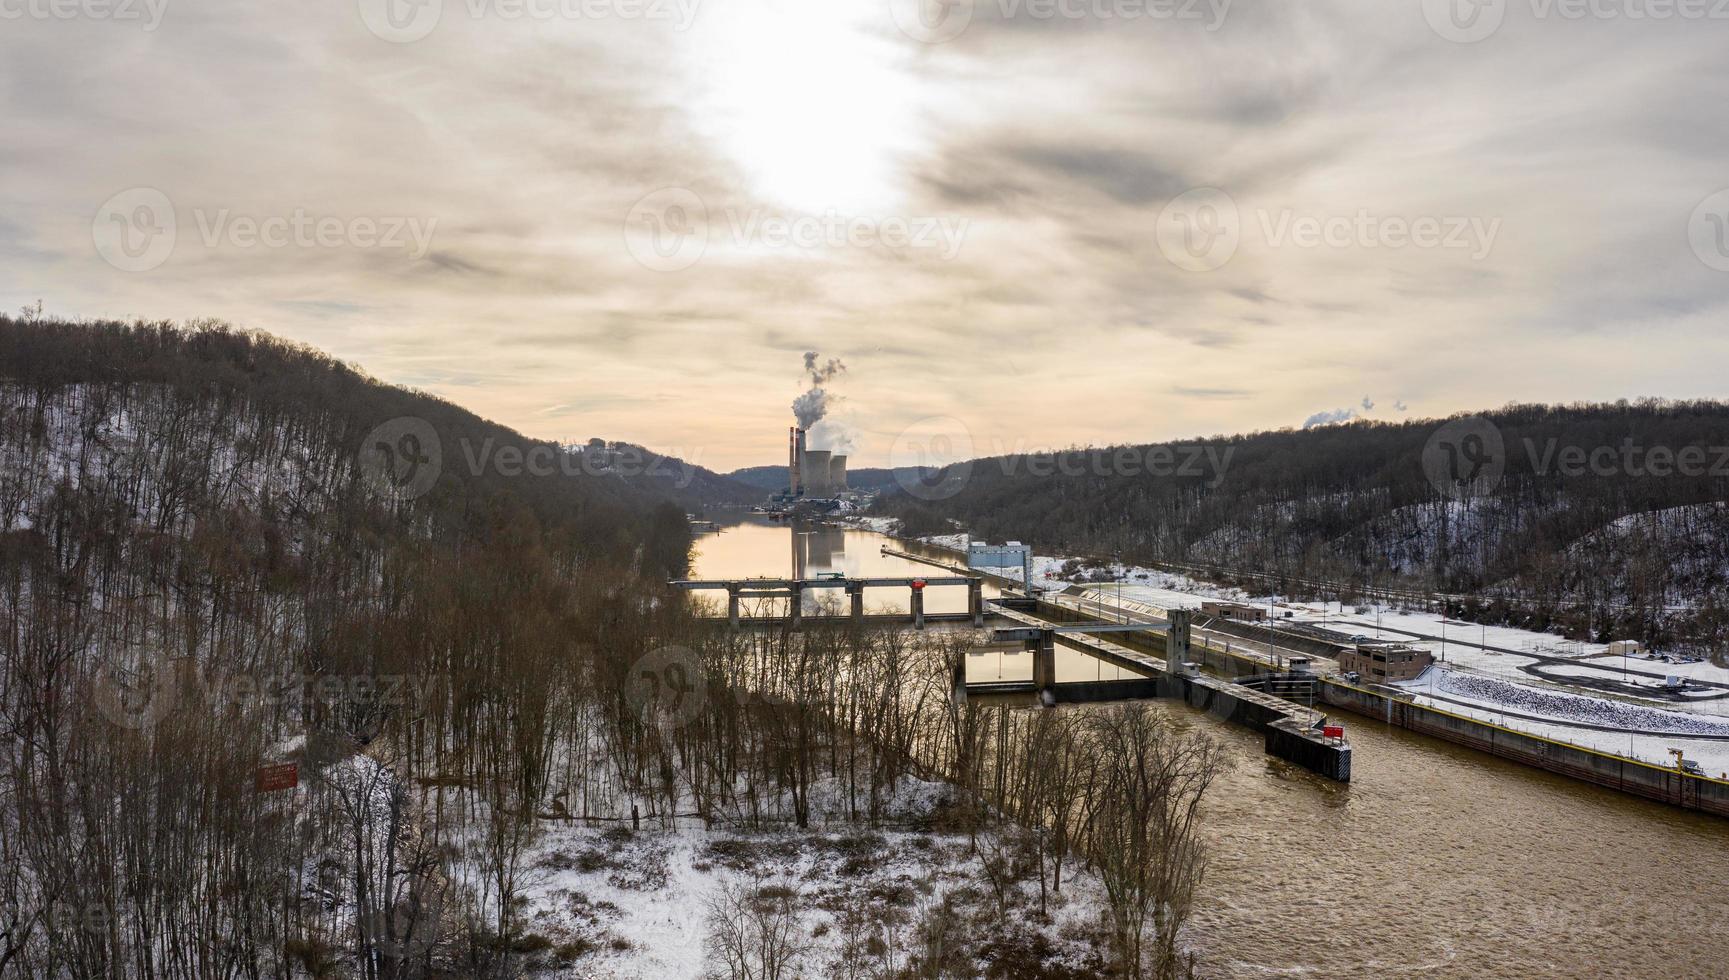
796 611
856 594
732 605
976 601
1045 660
918 606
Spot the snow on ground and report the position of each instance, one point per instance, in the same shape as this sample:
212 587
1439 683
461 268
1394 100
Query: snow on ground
881 525
1704 670
1471 653
618 904
1561 706
1486 703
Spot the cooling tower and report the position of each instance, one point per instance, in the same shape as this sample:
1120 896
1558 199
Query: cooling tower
837 473
814 472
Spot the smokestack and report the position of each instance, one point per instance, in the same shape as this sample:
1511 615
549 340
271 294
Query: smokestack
837 472
803 467
815 471
792 459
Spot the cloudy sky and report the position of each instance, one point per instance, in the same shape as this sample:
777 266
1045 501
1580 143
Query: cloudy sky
1021 222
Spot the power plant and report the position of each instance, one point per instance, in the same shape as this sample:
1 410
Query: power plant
816 473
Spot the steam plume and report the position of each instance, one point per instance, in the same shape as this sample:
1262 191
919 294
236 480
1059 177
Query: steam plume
811 406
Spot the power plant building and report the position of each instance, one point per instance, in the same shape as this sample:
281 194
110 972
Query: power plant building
813 472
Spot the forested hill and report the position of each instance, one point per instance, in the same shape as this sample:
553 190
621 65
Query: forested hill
119 364
1613 508
220 551
774 478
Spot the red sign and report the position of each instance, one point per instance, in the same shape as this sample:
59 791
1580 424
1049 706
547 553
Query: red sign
278 777
1333 731
918 583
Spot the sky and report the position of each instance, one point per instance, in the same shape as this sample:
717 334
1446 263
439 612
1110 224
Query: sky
1019 223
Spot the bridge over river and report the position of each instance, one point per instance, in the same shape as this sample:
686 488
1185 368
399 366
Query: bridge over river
1434 860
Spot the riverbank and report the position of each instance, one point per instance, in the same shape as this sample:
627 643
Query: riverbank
1538 684
1435 860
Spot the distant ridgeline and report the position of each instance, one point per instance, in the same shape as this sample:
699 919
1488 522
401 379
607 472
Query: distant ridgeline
1609 517
773 478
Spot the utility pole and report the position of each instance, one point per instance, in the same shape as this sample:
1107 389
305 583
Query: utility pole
1272 654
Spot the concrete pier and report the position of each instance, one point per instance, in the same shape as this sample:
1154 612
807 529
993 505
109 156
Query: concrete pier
1292 732
793 589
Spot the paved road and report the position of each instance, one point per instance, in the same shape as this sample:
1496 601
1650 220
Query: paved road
1544 658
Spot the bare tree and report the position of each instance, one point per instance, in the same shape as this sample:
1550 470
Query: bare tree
1143 830
754 934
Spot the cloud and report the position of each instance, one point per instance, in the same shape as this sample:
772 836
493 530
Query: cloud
1057 143
1211 393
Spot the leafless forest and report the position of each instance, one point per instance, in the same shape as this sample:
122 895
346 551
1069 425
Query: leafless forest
1605 520
199 584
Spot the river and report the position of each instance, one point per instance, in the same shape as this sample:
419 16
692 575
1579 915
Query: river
1435 861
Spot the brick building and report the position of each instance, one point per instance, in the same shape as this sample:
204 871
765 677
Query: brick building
1383 663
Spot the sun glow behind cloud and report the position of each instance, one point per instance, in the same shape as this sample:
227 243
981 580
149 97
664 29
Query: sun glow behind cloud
1057 143
812 101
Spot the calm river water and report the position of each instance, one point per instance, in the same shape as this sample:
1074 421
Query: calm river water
1434 861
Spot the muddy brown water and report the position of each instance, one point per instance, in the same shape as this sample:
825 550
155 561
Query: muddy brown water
1435 861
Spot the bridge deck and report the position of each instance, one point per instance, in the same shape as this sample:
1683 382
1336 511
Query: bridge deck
1111 653
1149 665
816 583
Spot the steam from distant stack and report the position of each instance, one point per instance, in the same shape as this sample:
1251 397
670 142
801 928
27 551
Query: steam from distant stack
810 407
815 472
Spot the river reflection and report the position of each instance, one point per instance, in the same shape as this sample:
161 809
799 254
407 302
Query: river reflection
752 546
1435 861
